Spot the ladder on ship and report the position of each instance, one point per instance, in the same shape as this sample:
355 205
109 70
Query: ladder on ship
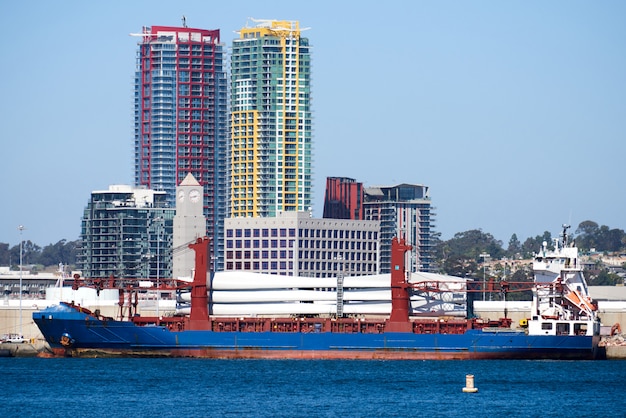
340 294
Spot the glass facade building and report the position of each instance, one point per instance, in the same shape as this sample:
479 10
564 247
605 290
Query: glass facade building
403 211
271 134
126 233
181 116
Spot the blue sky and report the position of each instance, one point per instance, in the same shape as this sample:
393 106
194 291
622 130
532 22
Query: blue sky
513 113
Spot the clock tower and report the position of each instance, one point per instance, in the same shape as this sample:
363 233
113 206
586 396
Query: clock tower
189 224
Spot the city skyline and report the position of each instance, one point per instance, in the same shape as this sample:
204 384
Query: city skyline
511 113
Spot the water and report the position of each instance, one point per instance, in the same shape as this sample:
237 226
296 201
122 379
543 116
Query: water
212 388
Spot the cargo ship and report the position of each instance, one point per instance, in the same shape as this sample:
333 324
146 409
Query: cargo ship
562 323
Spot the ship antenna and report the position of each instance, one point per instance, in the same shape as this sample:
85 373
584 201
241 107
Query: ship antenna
565 228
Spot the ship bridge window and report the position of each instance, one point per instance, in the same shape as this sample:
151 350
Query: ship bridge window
546 325
580 329
562 328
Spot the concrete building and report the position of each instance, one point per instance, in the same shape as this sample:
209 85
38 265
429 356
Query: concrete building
126 232
405 211
181 116
271 126
189 224
294 244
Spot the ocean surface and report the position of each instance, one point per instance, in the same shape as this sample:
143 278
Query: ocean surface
272 388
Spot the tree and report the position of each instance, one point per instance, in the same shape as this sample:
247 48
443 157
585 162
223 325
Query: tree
459 255
587 232
523 274
612 240
32 254
515 247
470 244
600 238
61 252
605 278
587 228
459 266
4 254
533 245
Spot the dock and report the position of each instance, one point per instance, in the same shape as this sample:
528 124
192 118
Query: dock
32 348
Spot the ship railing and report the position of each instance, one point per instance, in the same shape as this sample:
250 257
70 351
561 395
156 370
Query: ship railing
337 325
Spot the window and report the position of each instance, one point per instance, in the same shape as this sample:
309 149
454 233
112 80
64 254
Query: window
562 328
580 329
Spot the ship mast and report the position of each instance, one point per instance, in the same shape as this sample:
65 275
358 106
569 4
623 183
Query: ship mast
399 318
199 316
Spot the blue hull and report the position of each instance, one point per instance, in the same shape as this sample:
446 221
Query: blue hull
92 337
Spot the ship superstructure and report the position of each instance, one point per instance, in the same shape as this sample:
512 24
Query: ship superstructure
561 303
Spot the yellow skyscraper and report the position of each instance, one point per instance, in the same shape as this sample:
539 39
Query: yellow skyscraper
271 134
